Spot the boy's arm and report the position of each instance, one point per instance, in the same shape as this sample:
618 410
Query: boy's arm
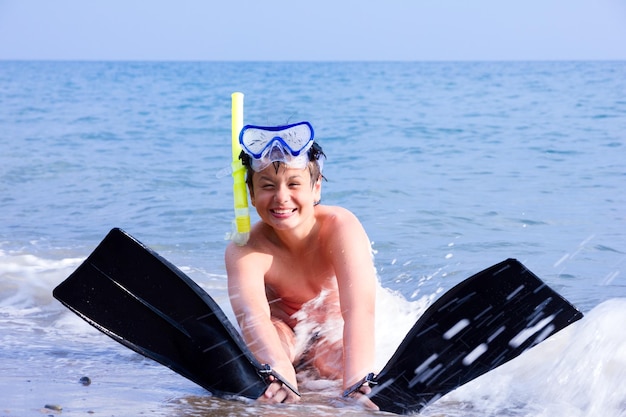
351 256
246 290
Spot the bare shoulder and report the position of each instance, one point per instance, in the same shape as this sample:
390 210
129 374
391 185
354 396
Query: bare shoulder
237 251
338 217
340 225
252 252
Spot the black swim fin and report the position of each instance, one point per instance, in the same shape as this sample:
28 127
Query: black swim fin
483 322
138 298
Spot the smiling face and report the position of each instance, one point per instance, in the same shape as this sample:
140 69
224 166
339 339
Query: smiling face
284 197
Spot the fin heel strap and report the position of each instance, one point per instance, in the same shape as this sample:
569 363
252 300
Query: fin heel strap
369 379
266 371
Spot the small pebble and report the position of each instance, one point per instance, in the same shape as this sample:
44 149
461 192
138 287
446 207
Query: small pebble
54 407
85 381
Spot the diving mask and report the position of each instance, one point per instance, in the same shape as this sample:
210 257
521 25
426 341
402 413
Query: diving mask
287 144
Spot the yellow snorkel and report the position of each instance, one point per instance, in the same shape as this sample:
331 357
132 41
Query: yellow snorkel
241 230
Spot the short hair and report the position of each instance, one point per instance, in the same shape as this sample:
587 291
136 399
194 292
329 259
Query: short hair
315 153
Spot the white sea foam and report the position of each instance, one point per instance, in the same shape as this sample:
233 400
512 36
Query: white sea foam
395 315
26 281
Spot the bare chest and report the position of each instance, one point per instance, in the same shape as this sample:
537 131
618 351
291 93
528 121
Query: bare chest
293 282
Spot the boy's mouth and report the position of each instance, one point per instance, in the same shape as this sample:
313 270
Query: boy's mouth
282 212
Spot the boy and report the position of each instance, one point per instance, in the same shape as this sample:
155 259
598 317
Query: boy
302 257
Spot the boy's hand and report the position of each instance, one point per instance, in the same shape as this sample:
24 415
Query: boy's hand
280 389
360 397
277 392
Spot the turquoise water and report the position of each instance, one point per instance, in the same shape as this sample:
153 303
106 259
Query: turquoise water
451 167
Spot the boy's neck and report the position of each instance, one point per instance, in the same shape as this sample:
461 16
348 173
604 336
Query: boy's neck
296 240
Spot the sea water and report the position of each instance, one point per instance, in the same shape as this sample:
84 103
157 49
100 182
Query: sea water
450 166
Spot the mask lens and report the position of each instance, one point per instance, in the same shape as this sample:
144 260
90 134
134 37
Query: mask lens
287 144
296 138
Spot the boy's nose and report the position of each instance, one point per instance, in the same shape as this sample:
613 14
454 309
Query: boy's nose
282 194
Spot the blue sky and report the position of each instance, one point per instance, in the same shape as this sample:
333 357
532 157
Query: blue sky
412 30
